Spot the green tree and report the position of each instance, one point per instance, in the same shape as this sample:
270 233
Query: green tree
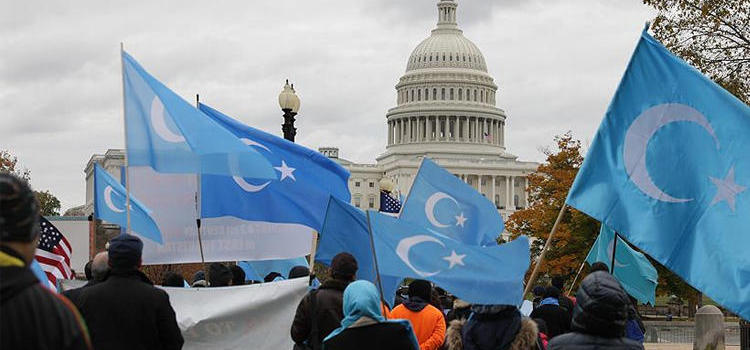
712 35
9 164
50 205
548 188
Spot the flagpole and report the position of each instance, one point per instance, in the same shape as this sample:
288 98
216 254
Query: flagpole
375 259
576 279
124 119
313 251
198 204
614 250
539 262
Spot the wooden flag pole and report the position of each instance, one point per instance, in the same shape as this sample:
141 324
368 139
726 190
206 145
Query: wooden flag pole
539 262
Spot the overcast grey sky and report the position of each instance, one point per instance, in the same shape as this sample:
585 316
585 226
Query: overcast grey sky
556 62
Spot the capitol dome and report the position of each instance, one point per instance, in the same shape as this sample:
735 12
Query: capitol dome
446 99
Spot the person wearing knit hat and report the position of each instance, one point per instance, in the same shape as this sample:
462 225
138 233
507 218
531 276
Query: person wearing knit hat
28 309
145 318
321 310
427 321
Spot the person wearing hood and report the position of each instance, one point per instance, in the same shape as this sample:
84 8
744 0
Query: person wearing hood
599 317
427 321
126 311
364 327
557 318
493 327
31 316
461 310
321 310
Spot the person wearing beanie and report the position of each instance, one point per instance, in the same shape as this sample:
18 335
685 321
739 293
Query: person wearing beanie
238 275
427 321
556 318
321 310
31 316
126 311
219 275
199 279
599 317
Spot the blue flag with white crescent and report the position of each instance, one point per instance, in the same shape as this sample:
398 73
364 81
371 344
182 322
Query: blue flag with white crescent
632 268
299 194
668 170
165 132
109 205
442 202
345 230
480 275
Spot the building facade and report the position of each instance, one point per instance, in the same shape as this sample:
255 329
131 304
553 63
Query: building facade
445 110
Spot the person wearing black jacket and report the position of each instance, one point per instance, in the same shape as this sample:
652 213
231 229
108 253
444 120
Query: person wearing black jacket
31 316
599 317
321 310
557 318
98 270
126 311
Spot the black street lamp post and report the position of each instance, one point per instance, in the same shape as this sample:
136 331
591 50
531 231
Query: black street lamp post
289 103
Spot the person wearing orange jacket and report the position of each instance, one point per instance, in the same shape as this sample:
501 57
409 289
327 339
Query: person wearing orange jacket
427 321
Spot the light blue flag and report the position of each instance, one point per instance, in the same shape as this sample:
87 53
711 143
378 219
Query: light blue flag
669 170
109 205
632 268
480 275
299 193
165 132
345 230
442 202
258 269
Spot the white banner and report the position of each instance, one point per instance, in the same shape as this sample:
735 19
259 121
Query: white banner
172 200
257 316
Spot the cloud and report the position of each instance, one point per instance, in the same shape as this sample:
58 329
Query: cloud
556 62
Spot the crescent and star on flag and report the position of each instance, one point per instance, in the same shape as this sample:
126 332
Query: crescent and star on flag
159 125
640 133
405 245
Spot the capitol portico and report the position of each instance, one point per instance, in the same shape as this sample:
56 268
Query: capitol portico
445 110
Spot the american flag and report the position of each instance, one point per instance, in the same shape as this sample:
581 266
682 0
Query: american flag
487 136
389 204
53 253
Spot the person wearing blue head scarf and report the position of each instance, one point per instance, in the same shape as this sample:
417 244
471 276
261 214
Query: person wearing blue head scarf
364 326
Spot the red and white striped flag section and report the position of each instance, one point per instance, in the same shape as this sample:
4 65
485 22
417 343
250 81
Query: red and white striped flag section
53 253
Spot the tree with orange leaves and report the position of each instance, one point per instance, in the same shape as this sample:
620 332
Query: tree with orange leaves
548 188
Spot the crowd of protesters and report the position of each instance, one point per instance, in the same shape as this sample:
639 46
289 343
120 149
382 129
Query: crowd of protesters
120 308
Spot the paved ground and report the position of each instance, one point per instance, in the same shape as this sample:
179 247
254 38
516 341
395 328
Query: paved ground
653 346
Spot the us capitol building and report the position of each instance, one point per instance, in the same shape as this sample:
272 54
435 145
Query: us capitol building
445 110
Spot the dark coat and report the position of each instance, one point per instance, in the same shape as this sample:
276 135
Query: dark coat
556 318
599 317
492 333
33 317
73 294
126 312
327 302
567 305
376 336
